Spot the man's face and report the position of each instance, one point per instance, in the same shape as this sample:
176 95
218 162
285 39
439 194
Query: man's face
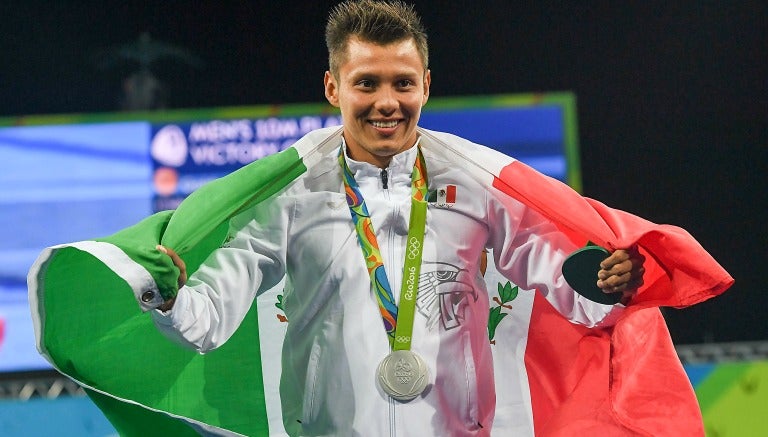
380 91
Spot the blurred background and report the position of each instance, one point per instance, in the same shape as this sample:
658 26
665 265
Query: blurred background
672 97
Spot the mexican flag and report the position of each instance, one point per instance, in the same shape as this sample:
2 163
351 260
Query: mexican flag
625 379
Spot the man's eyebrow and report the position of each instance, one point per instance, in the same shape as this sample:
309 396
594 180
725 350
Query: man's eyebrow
363 76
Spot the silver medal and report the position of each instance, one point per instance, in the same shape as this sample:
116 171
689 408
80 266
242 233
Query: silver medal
403 375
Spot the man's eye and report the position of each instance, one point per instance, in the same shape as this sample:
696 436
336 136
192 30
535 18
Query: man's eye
405 83
365 83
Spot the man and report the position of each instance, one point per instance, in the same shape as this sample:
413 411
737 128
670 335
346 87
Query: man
386 307
335 342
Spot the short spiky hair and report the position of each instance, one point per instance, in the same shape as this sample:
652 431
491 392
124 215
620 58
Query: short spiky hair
379 22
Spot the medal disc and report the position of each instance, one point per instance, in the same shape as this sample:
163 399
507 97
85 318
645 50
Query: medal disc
403 375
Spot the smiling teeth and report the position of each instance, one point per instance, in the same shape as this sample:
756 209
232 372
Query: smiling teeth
384 124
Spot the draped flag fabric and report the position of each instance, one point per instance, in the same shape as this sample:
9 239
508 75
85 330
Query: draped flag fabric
624 380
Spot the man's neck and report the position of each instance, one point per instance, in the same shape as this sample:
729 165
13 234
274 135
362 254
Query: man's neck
379 161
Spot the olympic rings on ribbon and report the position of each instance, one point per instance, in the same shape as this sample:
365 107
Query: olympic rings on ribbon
414 248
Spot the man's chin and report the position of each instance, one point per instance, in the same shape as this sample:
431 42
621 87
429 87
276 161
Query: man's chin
391 147
388 152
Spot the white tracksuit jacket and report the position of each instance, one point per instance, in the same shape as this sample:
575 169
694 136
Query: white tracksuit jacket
335 337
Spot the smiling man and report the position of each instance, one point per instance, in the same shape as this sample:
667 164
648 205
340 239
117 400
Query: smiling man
379 232
429 371
380 90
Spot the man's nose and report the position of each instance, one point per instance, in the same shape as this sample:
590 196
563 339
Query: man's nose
386 101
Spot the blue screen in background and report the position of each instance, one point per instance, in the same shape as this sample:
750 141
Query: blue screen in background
534 135
61 184
67 183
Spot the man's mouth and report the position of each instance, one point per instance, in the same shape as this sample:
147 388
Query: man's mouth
384 124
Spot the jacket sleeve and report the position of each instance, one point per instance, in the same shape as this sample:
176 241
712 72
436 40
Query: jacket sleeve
217 297
529 250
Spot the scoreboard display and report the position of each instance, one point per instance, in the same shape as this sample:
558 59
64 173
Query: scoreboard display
78 177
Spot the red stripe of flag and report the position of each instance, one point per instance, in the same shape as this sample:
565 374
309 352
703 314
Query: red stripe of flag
450 194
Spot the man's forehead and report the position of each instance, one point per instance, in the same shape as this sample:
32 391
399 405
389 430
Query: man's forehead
406 47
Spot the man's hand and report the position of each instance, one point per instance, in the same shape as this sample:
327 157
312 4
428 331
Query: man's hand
179 263
622 272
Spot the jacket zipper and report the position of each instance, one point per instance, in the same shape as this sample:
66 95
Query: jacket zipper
390 262
392 423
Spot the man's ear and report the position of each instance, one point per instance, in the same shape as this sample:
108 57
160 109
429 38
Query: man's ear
331 89
427 82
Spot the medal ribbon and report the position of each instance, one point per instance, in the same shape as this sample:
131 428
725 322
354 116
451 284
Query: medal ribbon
399 334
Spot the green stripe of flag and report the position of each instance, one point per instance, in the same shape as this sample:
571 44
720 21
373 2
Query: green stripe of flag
94 331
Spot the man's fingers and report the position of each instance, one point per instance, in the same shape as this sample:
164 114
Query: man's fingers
177 261
613 281
621 262
621 256
623 283
622 272
617 257
620 279
615 269
627 267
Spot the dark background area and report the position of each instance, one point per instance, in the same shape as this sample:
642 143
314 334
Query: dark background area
672 97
